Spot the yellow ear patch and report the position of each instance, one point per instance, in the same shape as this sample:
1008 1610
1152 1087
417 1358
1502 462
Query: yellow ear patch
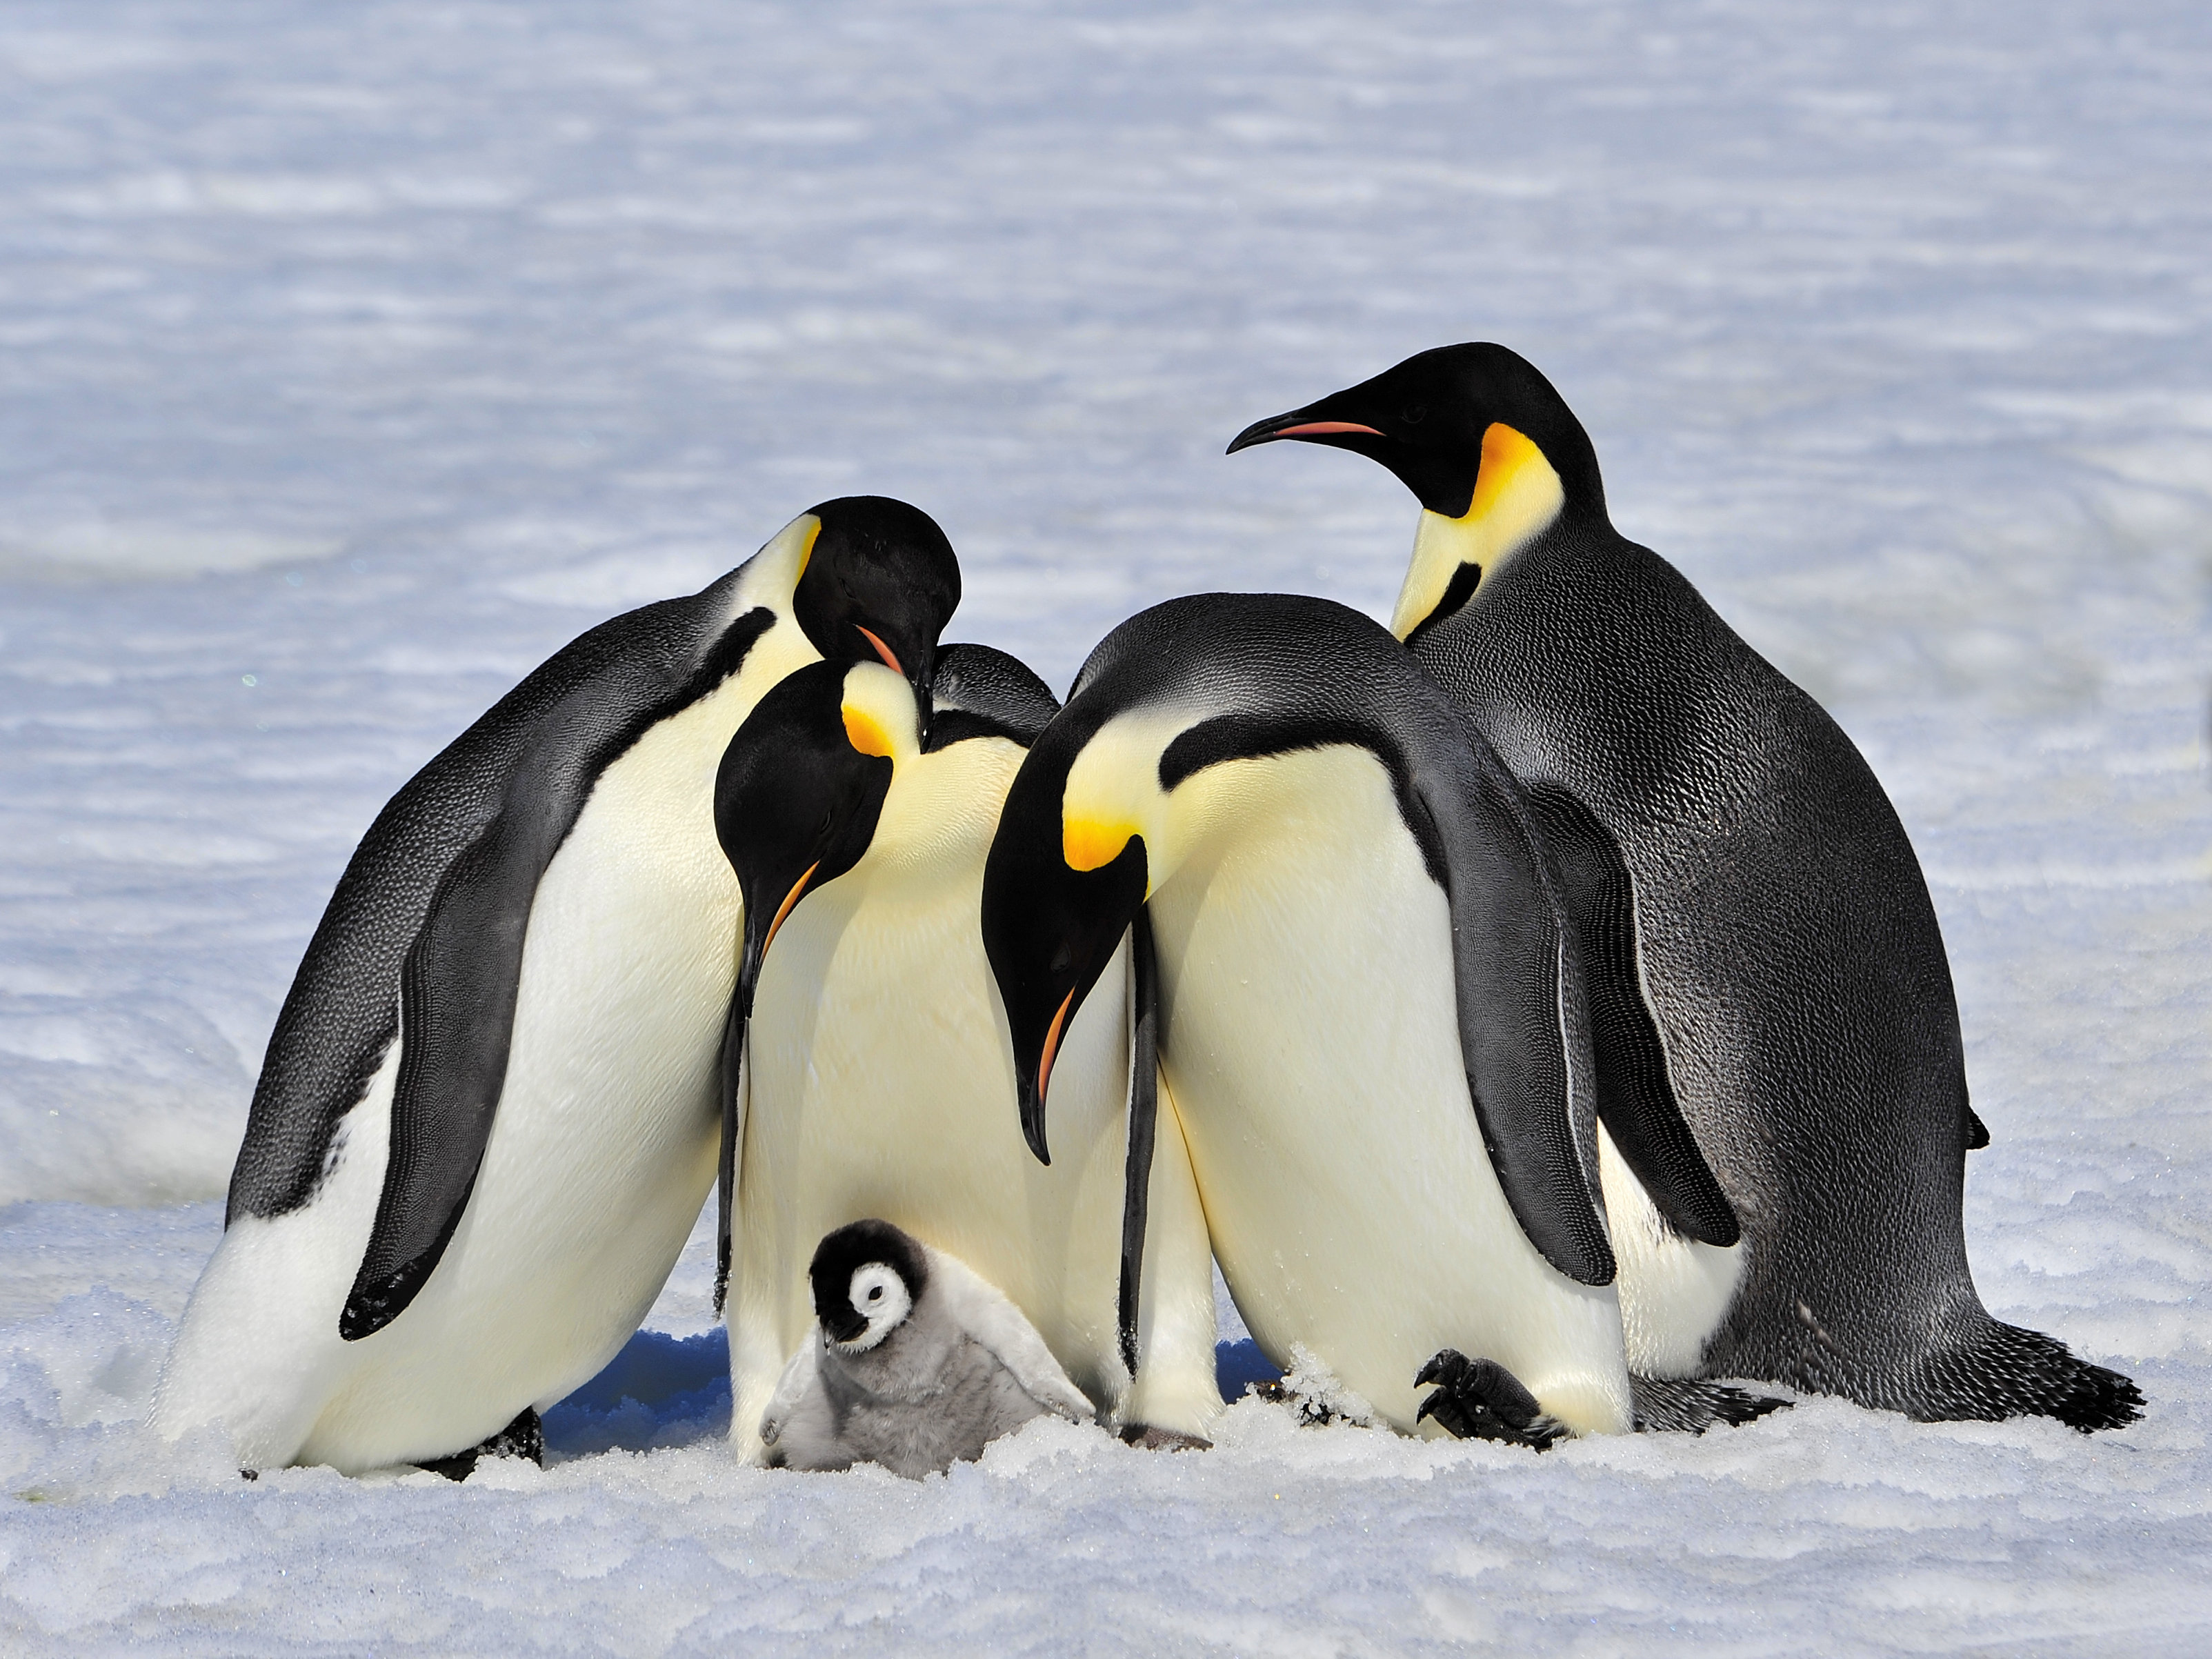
864 734
1504 453
806 549
1517 495
1089 846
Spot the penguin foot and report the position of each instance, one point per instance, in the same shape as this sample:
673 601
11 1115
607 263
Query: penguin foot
1679 1405
1145 1438
1481 1400
524 1438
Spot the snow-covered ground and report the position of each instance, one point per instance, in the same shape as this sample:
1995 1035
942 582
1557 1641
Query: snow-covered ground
353 358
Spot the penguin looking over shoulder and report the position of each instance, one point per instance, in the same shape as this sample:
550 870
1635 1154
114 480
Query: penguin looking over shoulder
914 1361
489 1111
1769 989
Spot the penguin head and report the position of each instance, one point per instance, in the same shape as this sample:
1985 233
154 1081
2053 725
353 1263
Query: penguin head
866 1277
1488 447
1127 781
878 584
801 788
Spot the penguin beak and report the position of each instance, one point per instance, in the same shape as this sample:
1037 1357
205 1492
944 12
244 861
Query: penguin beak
1315 423
761 927
844 1325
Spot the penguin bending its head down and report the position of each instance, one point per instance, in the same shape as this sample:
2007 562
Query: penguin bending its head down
488 1114
914 1361
874 1078
1765 963
1371 1019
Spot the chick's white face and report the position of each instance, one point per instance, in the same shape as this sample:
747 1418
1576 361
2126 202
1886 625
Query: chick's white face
879 1296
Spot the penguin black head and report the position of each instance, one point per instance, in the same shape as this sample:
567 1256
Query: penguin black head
879 585
1057 899
1486 445
866 1277
801 788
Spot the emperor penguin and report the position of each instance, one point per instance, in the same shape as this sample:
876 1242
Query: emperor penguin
914 1361
1372 1023
488 1114
1766 968
875 1081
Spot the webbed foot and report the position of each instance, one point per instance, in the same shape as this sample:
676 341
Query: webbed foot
1145 1438
524 1438
1481 1400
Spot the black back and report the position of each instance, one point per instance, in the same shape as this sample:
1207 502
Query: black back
982 692
503 795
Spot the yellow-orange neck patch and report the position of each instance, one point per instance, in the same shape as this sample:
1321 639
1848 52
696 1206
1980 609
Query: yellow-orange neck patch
864 734
1091 845
1516 497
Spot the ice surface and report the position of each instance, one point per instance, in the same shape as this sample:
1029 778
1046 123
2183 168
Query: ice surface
354 358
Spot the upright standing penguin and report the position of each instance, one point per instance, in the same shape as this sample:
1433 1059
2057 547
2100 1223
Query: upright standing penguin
1765 963
876 1080
1370 1015
488 1114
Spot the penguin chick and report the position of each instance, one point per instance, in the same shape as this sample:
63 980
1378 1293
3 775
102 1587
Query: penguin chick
914 1361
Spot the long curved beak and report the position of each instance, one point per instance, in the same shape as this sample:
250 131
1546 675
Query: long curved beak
1307 423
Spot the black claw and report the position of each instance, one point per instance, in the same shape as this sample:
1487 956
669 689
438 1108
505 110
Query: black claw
1481 1400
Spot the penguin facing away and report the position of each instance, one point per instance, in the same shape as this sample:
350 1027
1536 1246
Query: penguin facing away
488 1114
1372 1023
1765 963
875 1078
914 1361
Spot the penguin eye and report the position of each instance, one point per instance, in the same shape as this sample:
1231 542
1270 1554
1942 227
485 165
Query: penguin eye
876 1294
1416 413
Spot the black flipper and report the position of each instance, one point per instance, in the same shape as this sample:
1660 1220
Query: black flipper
459 979
732 1085
1635 1097
1521 1019
1144 1116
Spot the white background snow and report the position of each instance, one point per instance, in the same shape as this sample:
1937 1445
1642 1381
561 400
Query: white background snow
353 358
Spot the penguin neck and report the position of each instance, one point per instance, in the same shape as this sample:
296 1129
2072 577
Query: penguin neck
941 811
771 576
1517 497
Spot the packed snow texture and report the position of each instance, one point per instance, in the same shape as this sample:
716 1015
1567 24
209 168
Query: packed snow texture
356 357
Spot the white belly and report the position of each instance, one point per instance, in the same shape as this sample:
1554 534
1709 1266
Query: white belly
602 1150
882 1084
1311 1039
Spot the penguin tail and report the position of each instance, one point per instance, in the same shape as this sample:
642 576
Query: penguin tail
2006 1371
1691 1405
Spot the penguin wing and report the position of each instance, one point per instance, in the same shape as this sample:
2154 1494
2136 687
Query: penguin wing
983 1311
459 979
1635 1095
1144 1120
1523 1034
734 1082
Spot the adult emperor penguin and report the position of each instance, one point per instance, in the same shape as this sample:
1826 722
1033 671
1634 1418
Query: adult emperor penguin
914 1361
1765 961
876 1080
1371 1021
489 1111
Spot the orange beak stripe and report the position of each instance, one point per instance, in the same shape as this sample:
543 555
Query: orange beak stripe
885 651
1321 428
789 899
1051 1044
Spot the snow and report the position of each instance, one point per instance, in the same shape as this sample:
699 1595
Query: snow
355 358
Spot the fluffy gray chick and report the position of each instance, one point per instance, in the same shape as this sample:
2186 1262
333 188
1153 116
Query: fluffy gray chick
914 1361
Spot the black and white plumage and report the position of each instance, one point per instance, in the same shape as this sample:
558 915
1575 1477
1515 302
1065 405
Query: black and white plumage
1769 990
489 1111
873 1078
914 1361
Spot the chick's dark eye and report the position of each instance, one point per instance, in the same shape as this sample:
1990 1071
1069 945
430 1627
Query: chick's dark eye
876 1295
